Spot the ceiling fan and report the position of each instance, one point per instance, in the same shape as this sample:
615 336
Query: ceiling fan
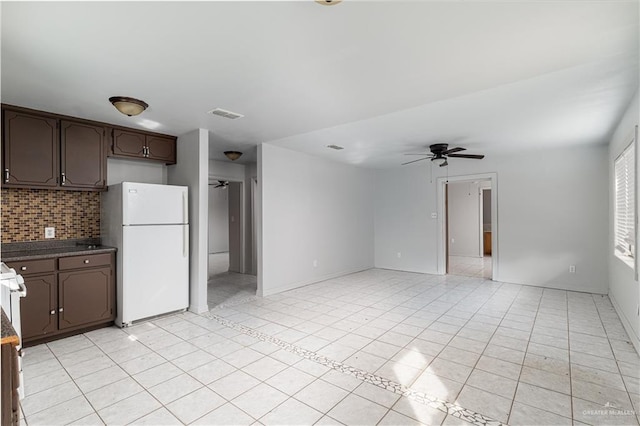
440 151
222 184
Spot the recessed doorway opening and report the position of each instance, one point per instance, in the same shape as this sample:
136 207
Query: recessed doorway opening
467 241
229 275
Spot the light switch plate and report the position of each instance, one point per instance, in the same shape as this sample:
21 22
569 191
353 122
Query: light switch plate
49 232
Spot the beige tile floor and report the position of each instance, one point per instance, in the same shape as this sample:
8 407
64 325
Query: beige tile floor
479 267
518 354
224 287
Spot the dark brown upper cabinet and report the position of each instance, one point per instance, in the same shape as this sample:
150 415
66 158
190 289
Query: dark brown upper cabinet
160 148
129 144
30 150
83 163
45 151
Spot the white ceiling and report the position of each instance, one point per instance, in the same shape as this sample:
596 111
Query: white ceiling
379 78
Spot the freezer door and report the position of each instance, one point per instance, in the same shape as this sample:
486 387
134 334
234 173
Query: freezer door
155 271
150 204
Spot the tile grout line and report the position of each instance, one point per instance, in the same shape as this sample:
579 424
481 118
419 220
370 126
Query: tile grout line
526 350
441 405
622 376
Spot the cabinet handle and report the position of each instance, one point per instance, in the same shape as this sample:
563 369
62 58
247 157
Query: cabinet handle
86 261
64 178
23 268
60 309
6 175
53 312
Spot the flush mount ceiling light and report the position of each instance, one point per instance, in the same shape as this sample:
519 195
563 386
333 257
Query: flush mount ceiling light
128 106
328 2
233 155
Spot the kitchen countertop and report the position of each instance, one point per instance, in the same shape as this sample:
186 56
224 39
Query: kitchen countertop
13 252
9 335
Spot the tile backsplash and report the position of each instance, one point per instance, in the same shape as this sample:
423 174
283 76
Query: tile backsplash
26 212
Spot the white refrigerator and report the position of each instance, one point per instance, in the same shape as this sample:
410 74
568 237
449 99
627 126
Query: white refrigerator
149 225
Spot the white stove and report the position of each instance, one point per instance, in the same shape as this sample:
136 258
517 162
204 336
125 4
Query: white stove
13 288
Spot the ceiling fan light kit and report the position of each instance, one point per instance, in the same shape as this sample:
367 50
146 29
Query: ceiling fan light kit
441 151
128 106
222 184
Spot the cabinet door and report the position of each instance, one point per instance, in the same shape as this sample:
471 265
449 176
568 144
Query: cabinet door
85 297
163 149
30 150
36 309
82 159
128 144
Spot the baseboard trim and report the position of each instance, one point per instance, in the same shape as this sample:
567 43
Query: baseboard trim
199 309
626 324
298 284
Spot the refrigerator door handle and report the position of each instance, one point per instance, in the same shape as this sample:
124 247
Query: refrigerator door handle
185 212
185 241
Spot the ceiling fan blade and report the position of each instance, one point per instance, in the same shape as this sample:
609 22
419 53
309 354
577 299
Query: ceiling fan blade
424 153
473 156
419 159
452 150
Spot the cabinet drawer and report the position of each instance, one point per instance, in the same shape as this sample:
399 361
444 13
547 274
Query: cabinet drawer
88 261
27 267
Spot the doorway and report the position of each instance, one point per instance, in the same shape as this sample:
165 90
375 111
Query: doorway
467 241
228 280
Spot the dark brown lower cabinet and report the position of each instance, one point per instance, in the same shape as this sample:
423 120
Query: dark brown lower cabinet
85 297
10 382
76 293
38 309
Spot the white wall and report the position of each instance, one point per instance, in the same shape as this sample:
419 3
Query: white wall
192 171
235 226
312 209
464 219
550 214
623 288
124 170
251 173
218 220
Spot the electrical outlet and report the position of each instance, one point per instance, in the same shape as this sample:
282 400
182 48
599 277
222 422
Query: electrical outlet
572 269
49 232
315 263
399 255
434 215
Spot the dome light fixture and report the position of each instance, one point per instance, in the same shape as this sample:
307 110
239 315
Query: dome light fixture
128 106
233 155
328 2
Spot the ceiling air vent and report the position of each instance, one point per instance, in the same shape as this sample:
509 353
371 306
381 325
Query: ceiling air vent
336 147
226 114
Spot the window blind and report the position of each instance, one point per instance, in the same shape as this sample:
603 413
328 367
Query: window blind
624 215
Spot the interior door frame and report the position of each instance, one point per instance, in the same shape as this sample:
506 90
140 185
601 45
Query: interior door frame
442 224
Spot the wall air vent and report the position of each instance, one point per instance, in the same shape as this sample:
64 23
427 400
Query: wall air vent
226 114
336 147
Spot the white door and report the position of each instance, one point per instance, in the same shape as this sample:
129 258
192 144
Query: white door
155 271
150 204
